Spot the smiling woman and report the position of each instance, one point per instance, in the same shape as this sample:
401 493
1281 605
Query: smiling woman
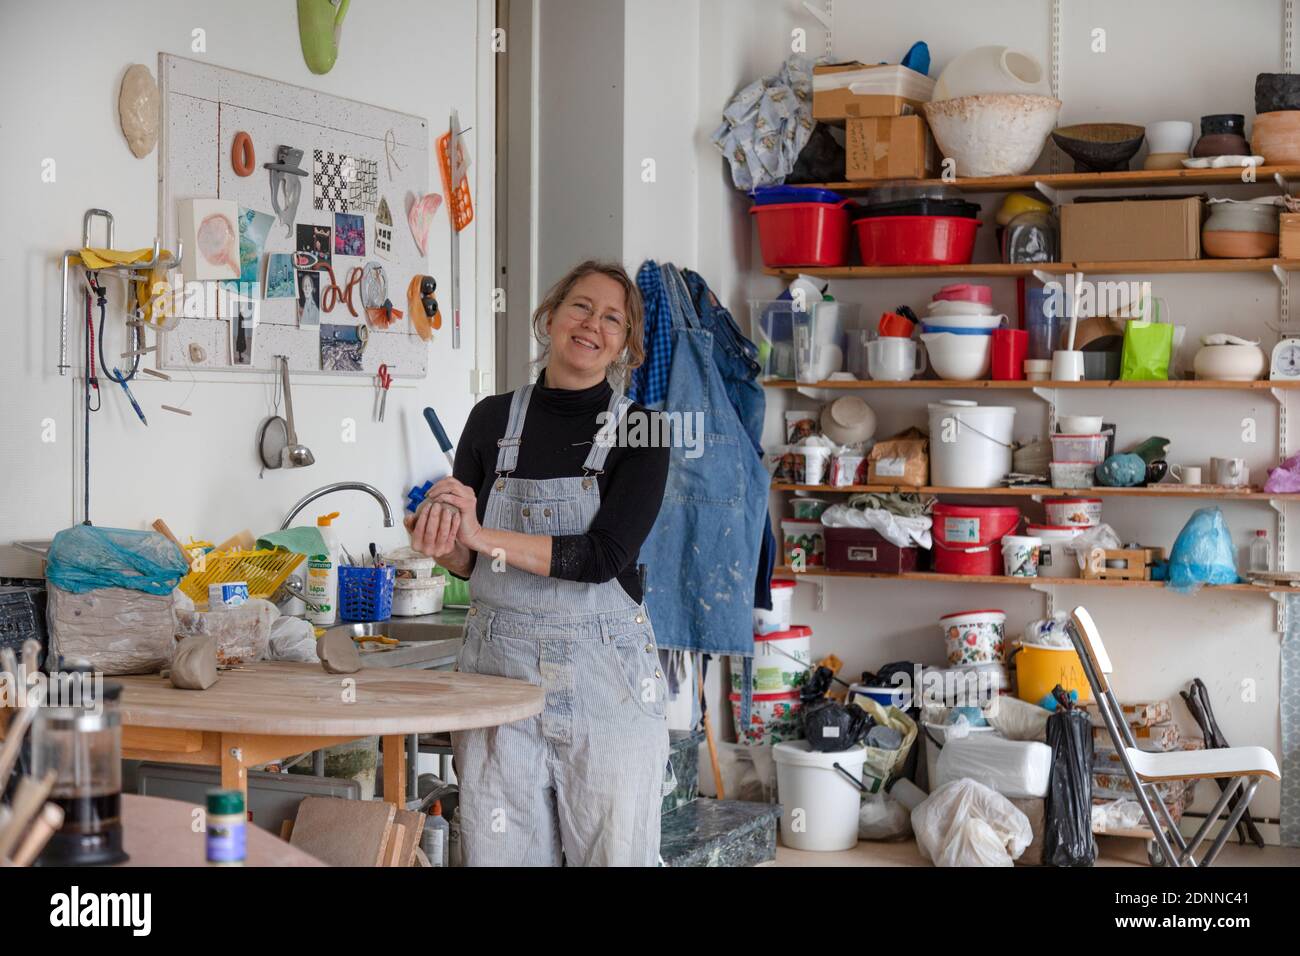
546 512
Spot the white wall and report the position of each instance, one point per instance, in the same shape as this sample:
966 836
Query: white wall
61 69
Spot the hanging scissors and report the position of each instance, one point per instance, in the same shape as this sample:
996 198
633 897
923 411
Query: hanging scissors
385 380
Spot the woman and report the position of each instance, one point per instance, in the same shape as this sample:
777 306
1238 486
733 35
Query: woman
546 518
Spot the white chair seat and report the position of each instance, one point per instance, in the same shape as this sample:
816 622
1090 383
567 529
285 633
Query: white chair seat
1203 764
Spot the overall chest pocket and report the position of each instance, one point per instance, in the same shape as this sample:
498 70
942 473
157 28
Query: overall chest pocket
563 516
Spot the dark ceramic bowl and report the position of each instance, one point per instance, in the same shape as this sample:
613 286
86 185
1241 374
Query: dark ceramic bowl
1099 147
1221 144
1277 91
1223 123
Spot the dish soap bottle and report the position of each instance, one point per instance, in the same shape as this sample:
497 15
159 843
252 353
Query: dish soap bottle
323 575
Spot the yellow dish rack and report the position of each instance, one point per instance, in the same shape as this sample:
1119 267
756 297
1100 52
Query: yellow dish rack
264 570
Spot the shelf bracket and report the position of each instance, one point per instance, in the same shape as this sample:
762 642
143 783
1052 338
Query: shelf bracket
1049 396
1282 183
1048 591
1282 604
1050 193
1280 274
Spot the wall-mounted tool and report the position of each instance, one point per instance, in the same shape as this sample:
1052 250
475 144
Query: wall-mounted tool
440 435
383 380
453 160
286 184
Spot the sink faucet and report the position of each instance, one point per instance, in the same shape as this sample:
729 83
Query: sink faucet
324 490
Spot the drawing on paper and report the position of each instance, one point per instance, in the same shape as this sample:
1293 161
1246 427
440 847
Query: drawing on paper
343 183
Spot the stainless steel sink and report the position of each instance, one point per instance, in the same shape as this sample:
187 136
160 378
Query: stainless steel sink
431 641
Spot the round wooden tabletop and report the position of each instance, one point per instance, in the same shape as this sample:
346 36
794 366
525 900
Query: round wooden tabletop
286 698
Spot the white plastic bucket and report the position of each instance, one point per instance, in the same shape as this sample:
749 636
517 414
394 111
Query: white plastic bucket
1053 560
819 808
413 597
777 619
970 445
1020 555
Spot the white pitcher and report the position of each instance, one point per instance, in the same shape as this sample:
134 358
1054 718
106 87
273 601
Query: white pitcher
892 358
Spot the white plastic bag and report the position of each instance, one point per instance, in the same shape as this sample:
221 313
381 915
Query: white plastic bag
1014 768
292 639
964 823
114 630
1017 719
881 817
241 632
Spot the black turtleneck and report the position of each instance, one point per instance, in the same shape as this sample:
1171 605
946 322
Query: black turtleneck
558 431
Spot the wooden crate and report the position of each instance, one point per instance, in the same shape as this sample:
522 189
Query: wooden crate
1137 563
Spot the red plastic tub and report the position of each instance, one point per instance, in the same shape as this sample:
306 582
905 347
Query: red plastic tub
803 233
916 240
966 538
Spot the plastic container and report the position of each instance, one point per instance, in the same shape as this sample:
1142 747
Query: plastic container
915 240
808 536
772 718
1010 347
788 195
974 637
322 585
816 462
780 659
1046 315
1039 668
887 696
969 685
1020 555
1053 560
1040 370
366 594
965 292
413 597
966 536
456 593
803 234
808 509
777 619
819 807
970 445
1079 448
924 206
1072 474
1078 512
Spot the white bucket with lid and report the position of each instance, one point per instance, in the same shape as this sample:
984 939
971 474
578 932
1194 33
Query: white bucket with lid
970 444
1053 560
777 619
819 807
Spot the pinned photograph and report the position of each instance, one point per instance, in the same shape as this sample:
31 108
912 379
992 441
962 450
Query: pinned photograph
315 240
279 276
349 234
254 227
308 298
341 347
242 326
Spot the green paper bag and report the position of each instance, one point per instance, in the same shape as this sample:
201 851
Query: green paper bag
1148 349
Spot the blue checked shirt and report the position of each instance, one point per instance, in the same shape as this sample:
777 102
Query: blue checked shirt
650 380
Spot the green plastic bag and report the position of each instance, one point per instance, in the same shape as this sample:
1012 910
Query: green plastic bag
1148 349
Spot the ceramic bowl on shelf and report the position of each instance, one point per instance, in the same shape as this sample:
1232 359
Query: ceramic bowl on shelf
1216 123
1079 424
991 69
1170 136
1229 244
958 320
1276 137
959 358
1230 363
997 134
1099 147
1277 91
1221 144
1164 161
957 307
848 421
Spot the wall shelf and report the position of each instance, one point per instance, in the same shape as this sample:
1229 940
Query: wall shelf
1158 491
937 578
1263 385
1017 269
1264 176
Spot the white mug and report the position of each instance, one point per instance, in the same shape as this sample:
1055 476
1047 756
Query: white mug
892 358
1231 472
1186 474
1067 366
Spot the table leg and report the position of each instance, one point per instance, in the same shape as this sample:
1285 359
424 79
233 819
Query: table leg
395 769
234 769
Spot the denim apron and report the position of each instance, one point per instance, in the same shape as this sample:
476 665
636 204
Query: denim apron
584 777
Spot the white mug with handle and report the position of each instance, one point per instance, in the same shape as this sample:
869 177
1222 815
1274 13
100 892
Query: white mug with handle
1231 472
1186 474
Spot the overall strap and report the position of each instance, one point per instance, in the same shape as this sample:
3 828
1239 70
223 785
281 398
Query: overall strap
607 435
508 445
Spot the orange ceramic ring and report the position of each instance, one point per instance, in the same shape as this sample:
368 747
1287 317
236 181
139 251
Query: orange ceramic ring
241 154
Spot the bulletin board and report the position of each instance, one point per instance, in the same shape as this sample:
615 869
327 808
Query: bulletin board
204 107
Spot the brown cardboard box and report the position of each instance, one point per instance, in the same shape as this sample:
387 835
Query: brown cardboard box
888 147
1129 230
841 104
1035 808
1289 235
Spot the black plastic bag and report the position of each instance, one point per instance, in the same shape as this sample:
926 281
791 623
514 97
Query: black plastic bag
820 161
831 727
1067 826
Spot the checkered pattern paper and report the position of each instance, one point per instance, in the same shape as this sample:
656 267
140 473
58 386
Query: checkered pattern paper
343 183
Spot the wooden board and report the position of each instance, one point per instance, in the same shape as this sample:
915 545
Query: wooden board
203 107
1261 385
1026 491
286 698
1121 179
160 832
935 577
412 825
343 832
996 269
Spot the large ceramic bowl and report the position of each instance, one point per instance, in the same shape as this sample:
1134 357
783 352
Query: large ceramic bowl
1230 363
959 358
1277 91
994 134
1099 147
1276 137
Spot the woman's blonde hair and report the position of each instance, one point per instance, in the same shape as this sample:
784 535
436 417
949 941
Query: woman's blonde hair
634 350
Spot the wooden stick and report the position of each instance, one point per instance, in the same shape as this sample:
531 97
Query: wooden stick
708 731
43 827
161 527
173 408
14 742
28 800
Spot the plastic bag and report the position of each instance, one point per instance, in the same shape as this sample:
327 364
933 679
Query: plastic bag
965 823
1285 478
241 633
1067 829
1148 349
1016 719
84 557
830 726
292 639
881 817
1014 768
1203 552
881 764
114 630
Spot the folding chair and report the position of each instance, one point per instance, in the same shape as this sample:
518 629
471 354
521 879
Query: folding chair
1243 766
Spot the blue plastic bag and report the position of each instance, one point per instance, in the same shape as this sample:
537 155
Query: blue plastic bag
1203 553
85 558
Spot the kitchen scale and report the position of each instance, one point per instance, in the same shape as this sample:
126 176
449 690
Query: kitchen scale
1285 366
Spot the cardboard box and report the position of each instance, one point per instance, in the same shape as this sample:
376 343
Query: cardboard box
1133 229
888 147
900 91
1289 235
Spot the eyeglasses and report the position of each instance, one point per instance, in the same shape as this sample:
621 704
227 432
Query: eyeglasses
611 323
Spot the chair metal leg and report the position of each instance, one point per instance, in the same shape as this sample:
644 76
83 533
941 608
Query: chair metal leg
1231 823
1199 836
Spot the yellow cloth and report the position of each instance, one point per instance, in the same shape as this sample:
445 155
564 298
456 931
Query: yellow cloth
103 258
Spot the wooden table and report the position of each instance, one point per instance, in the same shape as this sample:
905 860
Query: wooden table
160 832
270 710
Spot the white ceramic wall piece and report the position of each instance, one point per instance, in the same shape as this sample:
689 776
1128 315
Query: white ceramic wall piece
997 134
992 69
210 230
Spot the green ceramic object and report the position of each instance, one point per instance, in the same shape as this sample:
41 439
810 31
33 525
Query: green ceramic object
320 24
1153 449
